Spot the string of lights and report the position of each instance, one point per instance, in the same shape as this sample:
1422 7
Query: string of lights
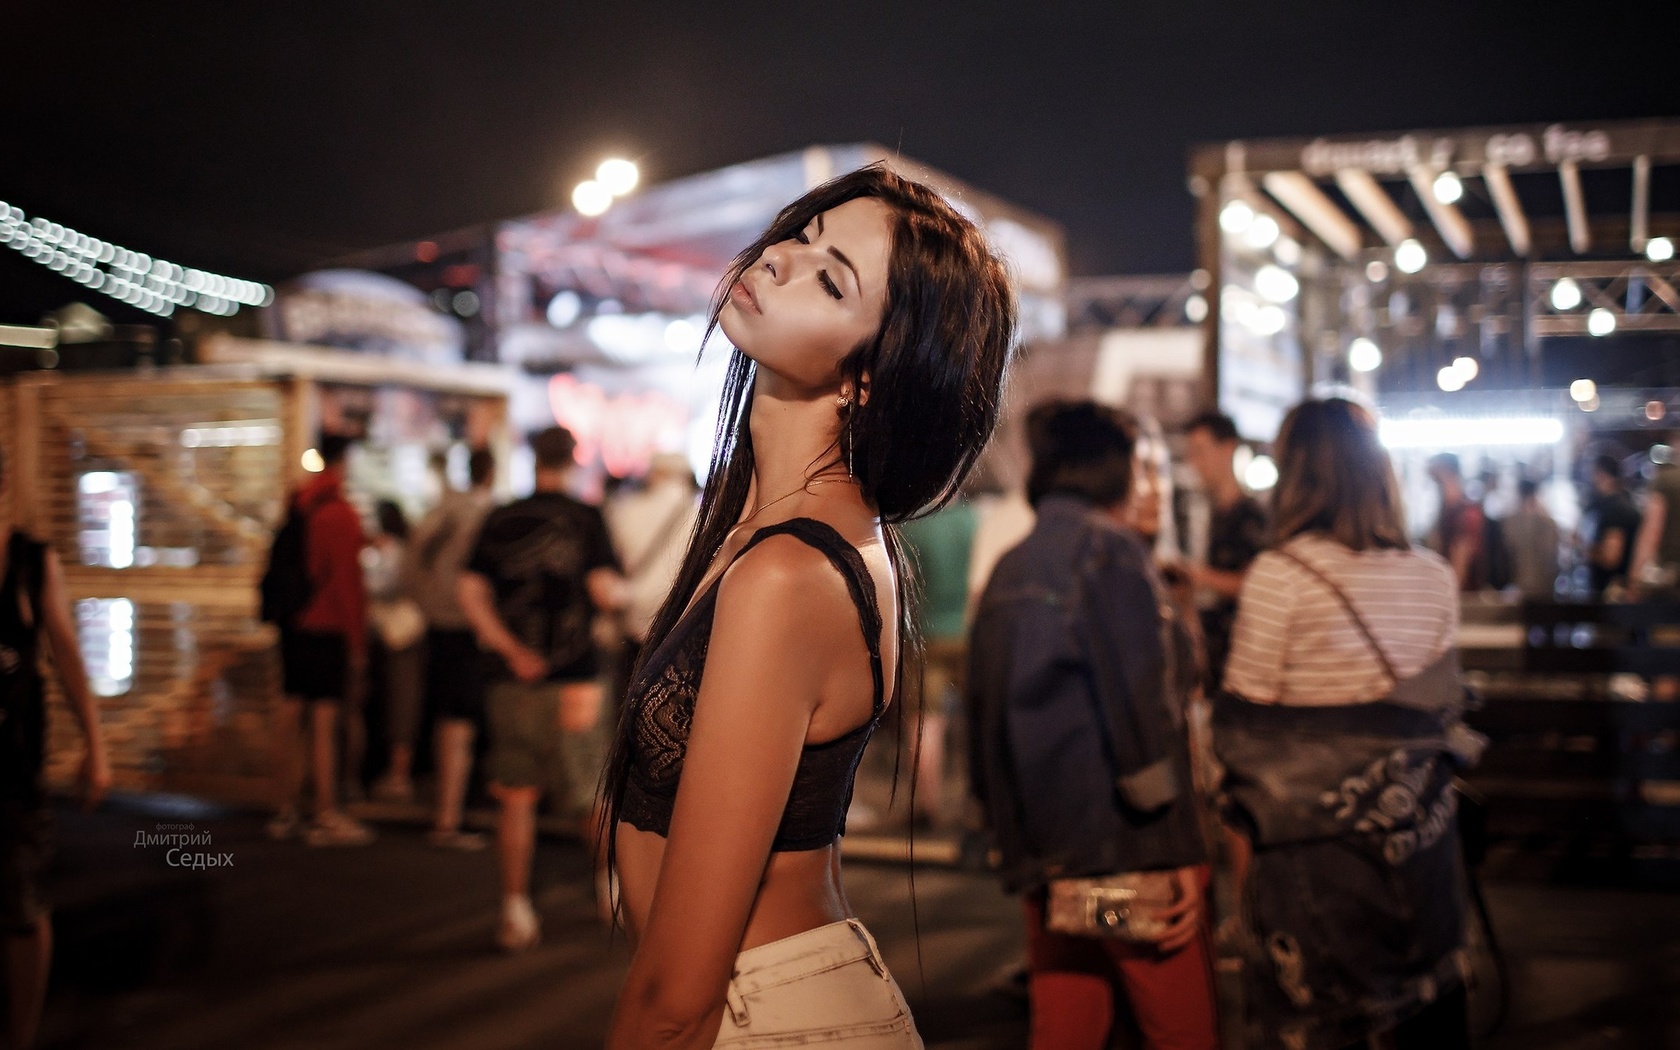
155 285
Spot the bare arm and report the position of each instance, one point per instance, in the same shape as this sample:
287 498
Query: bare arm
607 589
1650 533
1462 554
780 629
1611 546
1221 582
72 677
478 602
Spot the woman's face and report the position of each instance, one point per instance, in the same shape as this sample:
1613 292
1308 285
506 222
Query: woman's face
810 301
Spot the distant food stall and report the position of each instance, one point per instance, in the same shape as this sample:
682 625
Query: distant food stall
1507 294
159 492
159 488
1452 264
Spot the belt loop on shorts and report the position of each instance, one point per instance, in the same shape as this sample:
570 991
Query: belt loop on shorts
737 1004
875 961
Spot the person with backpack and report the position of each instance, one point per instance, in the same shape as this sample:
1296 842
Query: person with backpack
315 593
1340 730
33 603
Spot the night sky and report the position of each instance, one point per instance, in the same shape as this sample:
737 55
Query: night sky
264 139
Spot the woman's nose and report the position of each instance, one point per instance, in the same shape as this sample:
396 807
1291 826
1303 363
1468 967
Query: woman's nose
776 259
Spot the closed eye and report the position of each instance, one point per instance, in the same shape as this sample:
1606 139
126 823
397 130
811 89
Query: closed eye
823 278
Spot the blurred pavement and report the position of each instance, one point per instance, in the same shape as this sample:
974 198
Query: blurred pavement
390 946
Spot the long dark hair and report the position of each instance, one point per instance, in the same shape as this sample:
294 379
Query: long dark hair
935 378
1335 477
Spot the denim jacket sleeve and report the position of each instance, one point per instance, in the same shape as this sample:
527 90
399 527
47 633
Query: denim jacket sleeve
1120 621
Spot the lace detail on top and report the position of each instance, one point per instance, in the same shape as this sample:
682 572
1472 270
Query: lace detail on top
661 710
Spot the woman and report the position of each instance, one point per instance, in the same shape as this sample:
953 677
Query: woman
872 325
1340 733
1080 752
34 609
399 628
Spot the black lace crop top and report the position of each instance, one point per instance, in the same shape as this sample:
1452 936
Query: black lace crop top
661 707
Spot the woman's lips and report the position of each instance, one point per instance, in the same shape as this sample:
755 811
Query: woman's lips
743 297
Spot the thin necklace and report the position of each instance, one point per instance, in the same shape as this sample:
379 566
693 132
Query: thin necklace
806 487
762 508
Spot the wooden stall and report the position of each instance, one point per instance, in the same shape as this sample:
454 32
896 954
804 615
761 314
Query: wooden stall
159 492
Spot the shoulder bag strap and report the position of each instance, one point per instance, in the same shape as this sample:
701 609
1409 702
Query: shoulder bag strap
1358 621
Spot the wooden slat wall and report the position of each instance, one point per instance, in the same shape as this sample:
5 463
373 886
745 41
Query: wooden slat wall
205 677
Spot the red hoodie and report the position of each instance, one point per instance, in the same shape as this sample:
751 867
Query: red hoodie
335 541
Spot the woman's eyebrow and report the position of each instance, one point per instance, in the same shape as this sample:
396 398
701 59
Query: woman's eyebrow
848 264
838 254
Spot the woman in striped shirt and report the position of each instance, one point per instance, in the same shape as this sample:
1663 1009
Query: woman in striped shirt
1338 729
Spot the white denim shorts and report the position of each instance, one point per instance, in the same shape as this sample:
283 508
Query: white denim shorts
826 985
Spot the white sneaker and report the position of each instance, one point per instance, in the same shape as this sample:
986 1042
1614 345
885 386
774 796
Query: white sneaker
456 839
336 829
520 929
283 825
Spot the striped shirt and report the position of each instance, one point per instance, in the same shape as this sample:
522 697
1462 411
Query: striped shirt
1293 642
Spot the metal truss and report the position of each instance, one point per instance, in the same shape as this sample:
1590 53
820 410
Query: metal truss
1639 297
1155 301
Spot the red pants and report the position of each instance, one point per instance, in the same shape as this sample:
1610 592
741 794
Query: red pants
1073 982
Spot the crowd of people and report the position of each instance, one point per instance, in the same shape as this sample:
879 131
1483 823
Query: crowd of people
1626 543
1284 708
1283 711
1300 724
508 622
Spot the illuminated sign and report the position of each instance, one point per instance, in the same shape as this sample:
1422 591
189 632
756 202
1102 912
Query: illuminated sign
624 430
1516 148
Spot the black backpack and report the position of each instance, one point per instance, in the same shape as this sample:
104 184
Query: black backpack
286 587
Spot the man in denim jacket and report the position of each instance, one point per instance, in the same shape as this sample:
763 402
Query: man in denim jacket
1080 753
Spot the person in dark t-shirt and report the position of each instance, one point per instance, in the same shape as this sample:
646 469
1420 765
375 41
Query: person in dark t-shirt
537 554
541 569
1236 535
1610 524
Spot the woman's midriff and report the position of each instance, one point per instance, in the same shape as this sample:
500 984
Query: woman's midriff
800 891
